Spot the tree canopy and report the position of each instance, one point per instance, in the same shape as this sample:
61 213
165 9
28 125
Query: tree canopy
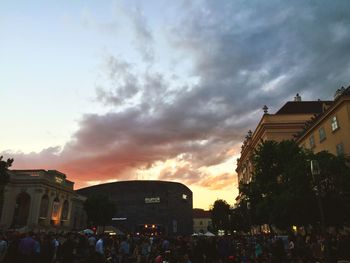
4 178
4 166
282 190
220 213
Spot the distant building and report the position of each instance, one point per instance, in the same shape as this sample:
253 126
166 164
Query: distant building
330 131
40 199
201 220
148 206
283 125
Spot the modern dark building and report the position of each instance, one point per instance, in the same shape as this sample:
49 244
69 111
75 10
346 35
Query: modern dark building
158 206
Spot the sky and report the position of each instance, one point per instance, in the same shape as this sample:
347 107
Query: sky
159 90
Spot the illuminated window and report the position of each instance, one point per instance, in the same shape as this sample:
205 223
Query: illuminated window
55 210
322 134
312 141
335 125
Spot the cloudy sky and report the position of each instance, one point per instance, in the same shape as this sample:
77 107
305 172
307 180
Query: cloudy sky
123 90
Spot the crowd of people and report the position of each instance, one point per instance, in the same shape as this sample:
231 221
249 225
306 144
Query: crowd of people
90 248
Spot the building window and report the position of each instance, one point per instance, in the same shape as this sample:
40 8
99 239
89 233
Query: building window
340 149
322 134
55 210
312 141
22 207
335 125
65 210
44 207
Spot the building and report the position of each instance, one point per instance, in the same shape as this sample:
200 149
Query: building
330 131
283 125
165 206
201 221
40 199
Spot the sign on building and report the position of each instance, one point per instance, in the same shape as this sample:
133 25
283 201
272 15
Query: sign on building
152 200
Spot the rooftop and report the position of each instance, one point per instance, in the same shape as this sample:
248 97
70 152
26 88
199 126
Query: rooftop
303 107
201 213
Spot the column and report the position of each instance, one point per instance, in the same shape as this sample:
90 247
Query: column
10 195
35 201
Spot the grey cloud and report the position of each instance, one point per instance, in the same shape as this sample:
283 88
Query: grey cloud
280 39
46 159
122 83
244 53
128 17
143 35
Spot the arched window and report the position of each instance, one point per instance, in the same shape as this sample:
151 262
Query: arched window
65 210
44 207
55 209
22 207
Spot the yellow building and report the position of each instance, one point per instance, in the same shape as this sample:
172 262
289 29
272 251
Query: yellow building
330 131
283 125
201 220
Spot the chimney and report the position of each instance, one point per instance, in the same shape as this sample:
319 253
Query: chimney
297 97
265 109
339 92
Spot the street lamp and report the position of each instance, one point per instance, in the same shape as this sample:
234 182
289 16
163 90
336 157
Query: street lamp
249 218
315 172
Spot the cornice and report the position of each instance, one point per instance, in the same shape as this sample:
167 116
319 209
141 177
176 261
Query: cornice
338 103
35 181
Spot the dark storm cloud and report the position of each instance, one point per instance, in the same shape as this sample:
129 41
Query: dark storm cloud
244 54
243 48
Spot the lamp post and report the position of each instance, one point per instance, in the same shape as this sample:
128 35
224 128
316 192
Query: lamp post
249 218
315 172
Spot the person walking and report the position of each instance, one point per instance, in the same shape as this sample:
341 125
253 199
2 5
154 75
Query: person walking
3 247
26 248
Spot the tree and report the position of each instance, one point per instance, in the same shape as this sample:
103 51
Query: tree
220 213
334 187
4 178
281 192
240 218
99 209
4 166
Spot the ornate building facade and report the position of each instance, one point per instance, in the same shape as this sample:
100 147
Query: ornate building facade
314 125
40 199
330 131
283 125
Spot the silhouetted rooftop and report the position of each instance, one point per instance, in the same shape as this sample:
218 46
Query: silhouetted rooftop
303 107
201 213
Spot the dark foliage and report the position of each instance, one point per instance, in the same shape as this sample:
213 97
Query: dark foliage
284 193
